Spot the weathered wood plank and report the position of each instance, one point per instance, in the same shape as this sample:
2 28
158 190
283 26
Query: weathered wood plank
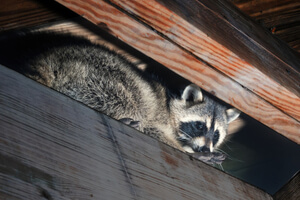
169 54
226 24
16 14
56 148
210 51
280 17
78 26
291 190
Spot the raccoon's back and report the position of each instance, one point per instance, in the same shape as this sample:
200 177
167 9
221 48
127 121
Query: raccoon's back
89 73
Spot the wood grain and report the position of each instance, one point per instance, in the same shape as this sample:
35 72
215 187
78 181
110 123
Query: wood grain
16 14
290 190
53 147
226 24
279 17
206 49
167 53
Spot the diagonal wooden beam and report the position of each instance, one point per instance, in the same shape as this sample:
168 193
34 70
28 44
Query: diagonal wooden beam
182 46
178 30
93 158
212 52
290 190
227 25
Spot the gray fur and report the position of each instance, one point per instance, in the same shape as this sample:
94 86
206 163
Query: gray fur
108 83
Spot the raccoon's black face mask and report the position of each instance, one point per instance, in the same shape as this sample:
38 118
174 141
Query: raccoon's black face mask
201 121
194 129
198 136
198 129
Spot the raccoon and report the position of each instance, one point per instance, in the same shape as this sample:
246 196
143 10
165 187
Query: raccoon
107 82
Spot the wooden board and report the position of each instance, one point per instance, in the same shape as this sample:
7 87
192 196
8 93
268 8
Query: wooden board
53 147
226 24
238 83
291 190
216 55
279 17
17 14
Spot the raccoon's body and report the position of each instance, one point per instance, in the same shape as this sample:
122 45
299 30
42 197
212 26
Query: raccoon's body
107 82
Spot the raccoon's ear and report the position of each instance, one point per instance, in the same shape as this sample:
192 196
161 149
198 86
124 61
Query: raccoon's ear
232 114
192 93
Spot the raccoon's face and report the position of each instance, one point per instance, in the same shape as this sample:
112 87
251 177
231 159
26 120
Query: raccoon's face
201 122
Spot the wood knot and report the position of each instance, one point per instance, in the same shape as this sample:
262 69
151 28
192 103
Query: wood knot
168 159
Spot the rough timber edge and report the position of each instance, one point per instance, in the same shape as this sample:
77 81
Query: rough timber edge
290 190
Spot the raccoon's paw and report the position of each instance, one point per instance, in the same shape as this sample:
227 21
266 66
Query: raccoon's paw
203 156
210 158
218 158
131 122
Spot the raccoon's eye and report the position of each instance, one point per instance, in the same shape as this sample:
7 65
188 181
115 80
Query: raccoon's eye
199 126
216 137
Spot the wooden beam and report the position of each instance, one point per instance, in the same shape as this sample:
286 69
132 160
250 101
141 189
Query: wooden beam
17 14
213 53
290 190
181 46
280 17
228 26
56 148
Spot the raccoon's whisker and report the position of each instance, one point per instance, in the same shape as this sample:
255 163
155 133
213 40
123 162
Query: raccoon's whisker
228 146
190 137
181 139
220 150
228 156
220 165
235 159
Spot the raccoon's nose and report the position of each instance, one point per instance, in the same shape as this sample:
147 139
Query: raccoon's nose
203 149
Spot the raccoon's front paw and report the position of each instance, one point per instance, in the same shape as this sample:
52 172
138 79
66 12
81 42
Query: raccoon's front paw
210 158
218 158
131 122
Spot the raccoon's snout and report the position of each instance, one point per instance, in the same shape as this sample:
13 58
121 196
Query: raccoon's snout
203 149
201 144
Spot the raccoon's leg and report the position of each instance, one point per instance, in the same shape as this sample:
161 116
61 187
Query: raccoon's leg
131 122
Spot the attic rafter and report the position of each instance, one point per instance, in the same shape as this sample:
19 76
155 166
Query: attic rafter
189 46
214 54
